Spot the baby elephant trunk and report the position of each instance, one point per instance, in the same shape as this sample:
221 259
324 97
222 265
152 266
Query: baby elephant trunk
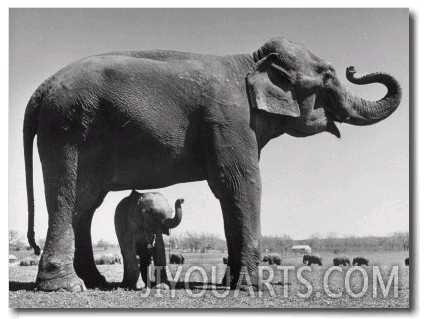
174 222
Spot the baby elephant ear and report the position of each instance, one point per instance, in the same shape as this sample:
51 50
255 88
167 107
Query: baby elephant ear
270 88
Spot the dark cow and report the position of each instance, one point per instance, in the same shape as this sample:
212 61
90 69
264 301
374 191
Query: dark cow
312 259
176 259
360 261
344 261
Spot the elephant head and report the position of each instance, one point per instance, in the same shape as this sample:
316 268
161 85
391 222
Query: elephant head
290 81
156 214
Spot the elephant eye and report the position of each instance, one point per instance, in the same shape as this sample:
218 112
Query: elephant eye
328 74
325 69
327 77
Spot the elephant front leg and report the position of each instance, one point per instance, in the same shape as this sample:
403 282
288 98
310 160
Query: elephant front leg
242 231
238 187
159 259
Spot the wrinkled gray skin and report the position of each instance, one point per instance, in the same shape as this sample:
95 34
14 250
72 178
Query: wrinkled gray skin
140 221
344 261
150 119
312 259
359 261
272 259
407 261
177 259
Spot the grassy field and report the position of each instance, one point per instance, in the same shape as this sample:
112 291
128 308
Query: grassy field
22 294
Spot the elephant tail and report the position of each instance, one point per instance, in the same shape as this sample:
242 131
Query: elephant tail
29 132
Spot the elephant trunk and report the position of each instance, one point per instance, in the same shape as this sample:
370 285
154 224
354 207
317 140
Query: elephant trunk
362 112
174 222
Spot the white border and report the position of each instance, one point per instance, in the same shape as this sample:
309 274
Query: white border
416 13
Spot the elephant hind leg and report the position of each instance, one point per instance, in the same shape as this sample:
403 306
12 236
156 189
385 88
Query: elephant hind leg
84 264
56 268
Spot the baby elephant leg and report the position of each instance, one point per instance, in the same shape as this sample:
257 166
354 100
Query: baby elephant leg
145 261
159 258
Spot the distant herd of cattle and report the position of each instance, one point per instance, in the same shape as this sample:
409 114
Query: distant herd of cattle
105 259
272 259
275 259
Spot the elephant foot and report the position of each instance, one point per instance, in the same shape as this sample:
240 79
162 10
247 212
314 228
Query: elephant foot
129 287
162 286
244 282
244 287
234 284
132 286
95 281
226 282
69 282
88 272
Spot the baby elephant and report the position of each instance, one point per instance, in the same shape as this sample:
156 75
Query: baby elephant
360 261
272 259
140 221
312 259
344 261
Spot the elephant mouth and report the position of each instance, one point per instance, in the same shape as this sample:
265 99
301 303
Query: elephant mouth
331 125
337 115
330 102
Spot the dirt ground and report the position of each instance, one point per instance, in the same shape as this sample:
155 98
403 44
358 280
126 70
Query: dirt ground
199 291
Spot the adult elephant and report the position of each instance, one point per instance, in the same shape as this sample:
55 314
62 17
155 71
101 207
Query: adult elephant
272 259
176 259
359 261
150 119
140 221
344 261
312 259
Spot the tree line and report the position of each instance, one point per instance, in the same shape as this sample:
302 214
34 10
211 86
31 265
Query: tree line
331 243
206 242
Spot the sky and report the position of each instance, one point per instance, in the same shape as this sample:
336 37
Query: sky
356 185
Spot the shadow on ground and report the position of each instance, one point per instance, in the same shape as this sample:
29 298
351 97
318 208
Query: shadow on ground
16 286
30 286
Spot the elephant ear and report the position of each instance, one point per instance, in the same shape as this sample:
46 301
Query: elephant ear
270 88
